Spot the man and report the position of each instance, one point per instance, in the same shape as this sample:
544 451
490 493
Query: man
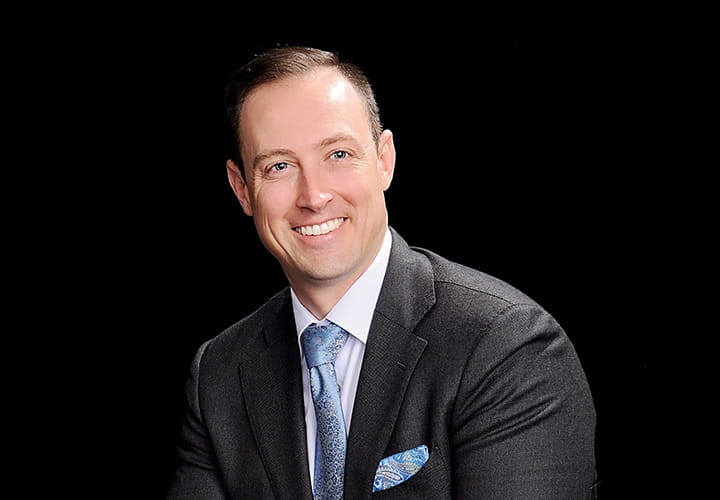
444 382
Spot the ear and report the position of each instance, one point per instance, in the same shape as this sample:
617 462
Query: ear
239 186
386 158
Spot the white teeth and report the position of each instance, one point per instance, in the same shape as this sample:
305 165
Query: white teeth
318 229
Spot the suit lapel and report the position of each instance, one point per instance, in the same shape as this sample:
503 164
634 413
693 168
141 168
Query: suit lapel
271 383
391 353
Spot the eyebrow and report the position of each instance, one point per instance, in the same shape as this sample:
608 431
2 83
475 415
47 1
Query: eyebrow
334 139
265 155
328 141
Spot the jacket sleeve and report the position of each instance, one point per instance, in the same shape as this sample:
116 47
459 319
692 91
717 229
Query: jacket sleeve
196 475
524 419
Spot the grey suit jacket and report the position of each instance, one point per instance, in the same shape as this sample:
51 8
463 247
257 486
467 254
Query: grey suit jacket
455 359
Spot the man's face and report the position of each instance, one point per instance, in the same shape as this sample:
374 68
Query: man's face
315 177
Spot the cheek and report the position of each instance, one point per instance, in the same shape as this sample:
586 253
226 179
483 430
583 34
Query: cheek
361 183
369 189
272 200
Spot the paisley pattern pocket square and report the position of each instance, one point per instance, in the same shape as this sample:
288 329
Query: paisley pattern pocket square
399 467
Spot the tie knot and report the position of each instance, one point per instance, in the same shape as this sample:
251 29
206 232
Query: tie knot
322 343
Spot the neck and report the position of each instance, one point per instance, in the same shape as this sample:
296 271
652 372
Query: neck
320 296
319 299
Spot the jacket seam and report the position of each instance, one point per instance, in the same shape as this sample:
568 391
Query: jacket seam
484 292
490 326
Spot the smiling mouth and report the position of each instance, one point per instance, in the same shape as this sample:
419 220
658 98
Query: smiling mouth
319 229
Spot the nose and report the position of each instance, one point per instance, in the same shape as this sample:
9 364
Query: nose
314 191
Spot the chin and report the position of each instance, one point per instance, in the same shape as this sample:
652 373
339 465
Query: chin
326 272
324 275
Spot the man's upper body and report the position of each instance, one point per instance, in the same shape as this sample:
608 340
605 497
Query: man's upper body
442 356
455 360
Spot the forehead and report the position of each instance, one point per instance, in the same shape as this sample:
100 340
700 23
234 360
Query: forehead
318 82
302 102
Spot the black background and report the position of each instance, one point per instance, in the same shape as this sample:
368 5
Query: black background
527 147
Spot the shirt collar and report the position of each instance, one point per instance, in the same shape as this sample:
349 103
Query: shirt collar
354 311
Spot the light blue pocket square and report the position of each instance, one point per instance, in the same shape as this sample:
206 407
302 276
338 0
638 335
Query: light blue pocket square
399 467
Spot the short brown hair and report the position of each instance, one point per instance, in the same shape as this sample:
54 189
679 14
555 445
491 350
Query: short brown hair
280 62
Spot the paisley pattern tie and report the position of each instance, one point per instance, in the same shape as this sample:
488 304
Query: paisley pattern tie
321 345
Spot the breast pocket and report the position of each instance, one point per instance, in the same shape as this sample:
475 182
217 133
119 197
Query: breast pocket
431 481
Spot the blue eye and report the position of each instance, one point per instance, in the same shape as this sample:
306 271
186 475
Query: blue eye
339 155
279 167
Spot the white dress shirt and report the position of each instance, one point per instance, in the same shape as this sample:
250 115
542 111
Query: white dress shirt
353 312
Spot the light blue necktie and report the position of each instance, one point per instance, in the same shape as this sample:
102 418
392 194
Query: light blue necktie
321 345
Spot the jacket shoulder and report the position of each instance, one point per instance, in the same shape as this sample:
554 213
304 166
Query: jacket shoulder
453 276
248 330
